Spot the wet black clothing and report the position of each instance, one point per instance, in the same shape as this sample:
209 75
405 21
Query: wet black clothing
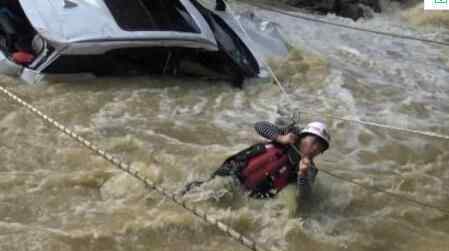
234 164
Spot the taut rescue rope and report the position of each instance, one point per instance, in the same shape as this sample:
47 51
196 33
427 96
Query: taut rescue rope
245 241
367 187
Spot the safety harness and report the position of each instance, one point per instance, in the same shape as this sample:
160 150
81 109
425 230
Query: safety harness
263 169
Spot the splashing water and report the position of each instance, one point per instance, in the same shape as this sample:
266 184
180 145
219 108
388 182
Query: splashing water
58 196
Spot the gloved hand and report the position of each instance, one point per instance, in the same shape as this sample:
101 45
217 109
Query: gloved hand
304 166
289 138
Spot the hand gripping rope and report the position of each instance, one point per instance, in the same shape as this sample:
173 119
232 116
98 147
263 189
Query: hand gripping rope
367 123
328 115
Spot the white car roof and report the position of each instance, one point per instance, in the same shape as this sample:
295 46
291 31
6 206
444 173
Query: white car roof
73 21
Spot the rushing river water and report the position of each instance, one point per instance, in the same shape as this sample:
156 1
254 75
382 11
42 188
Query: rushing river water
56 195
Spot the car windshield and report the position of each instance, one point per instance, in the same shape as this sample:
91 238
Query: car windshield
158 15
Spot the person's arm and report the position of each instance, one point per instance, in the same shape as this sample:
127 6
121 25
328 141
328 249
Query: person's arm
274 133
304 188
267 130
306 177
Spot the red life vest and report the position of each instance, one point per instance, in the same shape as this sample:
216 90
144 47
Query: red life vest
273 164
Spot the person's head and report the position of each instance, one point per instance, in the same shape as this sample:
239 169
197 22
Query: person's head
314 139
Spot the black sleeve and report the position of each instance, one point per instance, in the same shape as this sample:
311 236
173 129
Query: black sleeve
269 130
304 184
304 188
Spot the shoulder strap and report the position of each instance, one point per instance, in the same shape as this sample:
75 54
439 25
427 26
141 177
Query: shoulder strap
293 156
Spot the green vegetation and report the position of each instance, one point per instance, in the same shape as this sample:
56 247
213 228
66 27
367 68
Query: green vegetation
418 16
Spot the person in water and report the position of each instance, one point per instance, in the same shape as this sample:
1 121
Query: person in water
264 169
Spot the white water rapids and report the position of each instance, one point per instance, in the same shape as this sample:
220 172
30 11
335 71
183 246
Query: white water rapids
56 195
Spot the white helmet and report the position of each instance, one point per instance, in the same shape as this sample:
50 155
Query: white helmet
318 129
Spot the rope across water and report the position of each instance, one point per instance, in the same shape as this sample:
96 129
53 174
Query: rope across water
245 241
367 123
344 26
327 115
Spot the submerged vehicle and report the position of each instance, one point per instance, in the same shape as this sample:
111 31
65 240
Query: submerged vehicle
116 37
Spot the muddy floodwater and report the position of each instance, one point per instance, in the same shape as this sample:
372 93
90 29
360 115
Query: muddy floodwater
55 195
